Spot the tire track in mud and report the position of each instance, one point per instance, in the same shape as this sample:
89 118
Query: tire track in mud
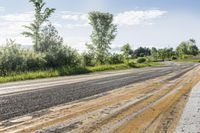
27 102
118 111
148 118
94 125
104 101
132 115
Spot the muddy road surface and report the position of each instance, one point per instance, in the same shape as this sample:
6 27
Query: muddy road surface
137 100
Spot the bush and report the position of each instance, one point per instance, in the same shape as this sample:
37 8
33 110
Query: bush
149 59
174 58
35 61
11 58
63 56
188 56
132 64
141 60
115 59
50 38
88 59
63 71
15 59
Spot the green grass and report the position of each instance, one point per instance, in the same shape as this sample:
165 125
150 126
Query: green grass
150 64
29 75
189 60
72 71
108 67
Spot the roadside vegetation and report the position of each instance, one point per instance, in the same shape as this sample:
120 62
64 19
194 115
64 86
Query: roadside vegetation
64 71
50 57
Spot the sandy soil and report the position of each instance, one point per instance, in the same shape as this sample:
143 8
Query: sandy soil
190 119
151 106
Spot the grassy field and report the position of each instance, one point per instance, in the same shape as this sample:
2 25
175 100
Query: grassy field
72 71
189 60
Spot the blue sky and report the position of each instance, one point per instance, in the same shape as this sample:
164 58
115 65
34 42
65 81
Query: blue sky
159 23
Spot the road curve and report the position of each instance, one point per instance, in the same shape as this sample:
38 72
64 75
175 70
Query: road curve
18 103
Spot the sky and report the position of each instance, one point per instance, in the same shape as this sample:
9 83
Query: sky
147 23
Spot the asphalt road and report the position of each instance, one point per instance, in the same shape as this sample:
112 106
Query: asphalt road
18 103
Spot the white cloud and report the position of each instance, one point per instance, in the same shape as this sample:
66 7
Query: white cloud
78 42
137 17
75 17
130 18
11 26
57 25
22 17
75 20
71 26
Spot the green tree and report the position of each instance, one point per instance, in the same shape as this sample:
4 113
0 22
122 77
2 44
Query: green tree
62 56
165 53
193 50
142 52
116 58
41 16
87 59
50 38
127 51
162 54
182 49
192 41
104 31
13 58
187 48
154 53
192 47
169 53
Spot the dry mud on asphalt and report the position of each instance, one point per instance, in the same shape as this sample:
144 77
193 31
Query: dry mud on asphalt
119 104
21 103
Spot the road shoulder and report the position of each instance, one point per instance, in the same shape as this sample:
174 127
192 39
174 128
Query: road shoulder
190 120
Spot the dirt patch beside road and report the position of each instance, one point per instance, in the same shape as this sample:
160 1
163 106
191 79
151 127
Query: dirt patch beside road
169 119
163 116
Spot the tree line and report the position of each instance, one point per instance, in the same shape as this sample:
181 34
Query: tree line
50 52
184 50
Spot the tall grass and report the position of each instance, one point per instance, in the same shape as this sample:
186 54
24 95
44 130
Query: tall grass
108 67
189 60
64 71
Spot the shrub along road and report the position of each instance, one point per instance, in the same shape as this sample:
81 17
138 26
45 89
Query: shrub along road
22 99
